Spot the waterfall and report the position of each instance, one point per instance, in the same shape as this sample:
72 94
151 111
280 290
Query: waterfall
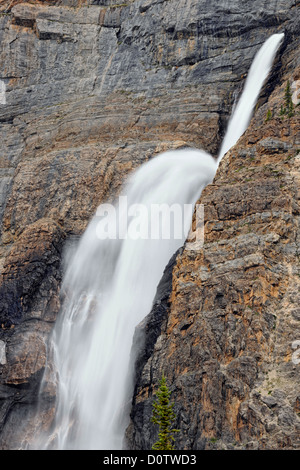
111 279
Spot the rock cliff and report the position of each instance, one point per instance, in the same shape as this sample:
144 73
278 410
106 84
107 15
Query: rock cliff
89 91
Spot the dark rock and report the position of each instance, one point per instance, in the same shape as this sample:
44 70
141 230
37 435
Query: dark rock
269 401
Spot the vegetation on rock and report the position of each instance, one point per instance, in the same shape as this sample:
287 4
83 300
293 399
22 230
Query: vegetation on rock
164 416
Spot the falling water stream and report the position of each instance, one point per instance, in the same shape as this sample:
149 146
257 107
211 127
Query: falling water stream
257 75
110 282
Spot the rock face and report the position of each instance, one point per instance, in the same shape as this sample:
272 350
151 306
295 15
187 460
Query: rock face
29 303
89 91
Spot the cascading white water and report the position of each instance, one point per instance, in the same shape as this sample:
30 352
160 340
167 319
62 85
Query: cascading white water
257 75
110 285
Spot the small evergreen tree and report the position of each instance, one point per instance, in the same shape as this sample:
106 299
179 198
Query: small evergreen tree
282 110
163 415
269 115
